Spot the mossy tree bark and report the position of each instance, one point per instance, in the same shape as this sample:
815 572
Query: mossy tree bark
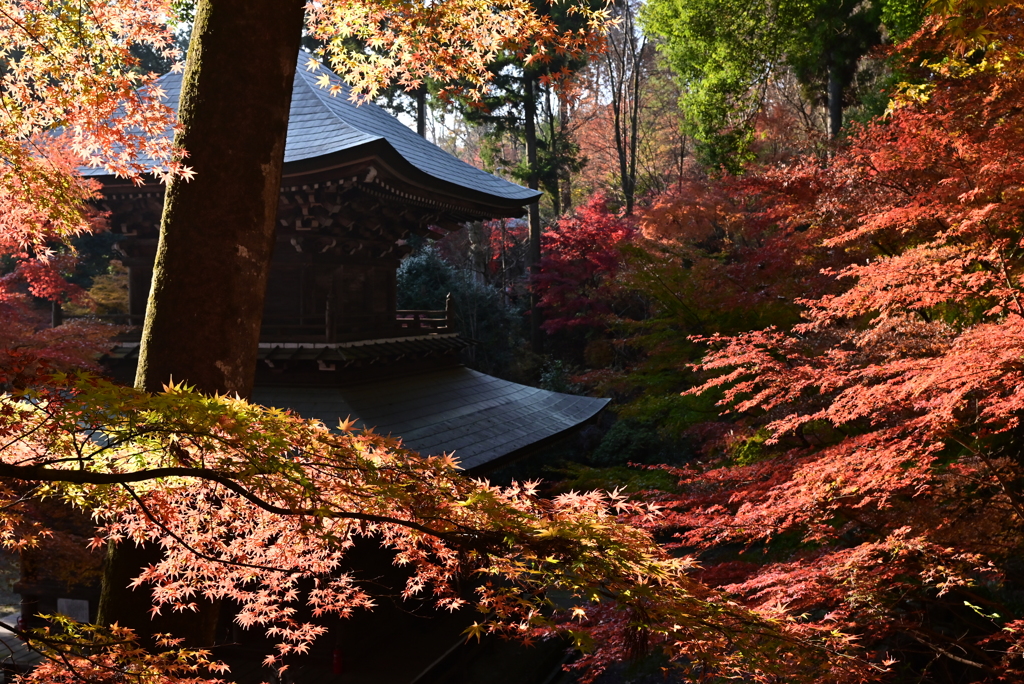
216 236
217 232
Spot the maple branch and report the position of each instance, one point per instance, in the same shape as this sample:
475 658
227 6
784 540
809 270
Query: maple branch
1009 283
671 292
152 518
21 499
952 656
20 437
87 477
27 637
1015 501
850 513
35 39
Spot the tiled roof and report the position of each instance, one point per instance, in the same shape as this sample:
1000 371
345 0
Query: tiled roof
478 417
321 124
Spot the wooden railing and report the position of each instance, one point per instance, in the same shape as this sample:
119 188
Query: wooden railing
426 319
364 326
416 319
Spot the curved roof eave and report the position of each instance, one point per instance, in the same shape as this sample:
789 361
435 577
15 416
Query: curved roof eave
382 154
328 132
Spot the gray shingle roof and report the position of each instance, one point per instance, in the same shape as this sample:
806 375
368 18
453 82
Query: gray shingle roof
321 124
479 417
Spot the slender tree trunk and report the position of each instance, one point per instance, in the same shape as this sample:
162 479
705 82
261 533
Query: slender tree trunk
636 83
565 180
624 59
217 232
216 235
533 255
617 103
421 111
553 142
835 100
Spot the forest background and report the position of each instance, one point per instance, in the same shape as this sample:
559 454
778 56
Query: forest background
786 239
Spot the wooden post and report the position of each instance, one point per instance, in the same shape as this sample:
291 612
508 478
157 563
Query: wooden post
449 313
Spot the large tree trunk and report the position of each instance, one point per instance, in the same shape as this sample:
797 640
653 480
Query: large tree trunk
206 303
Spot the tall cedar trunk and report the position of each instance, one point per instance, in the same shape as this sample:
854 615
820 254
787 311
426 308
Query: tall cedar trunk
835 100
533 256
216 236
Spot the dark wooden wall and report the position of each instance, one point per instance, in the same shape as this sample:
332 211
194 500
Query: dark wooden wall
332 277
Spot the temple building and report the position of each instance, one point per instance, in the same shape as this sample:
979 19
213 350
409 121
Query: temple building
357 183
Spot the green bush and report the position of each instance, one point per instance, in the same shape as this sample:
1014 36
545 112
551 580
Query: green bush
630 441
425 280
554 376
752 449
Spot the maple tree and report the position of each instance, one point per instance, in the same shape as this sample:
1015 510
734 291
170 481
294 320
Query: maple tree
576 286
715 254
874 454
248 503
60 71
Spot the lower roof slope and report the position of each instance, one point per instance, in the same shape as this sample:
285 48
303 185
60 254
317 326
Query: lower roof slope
478 417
